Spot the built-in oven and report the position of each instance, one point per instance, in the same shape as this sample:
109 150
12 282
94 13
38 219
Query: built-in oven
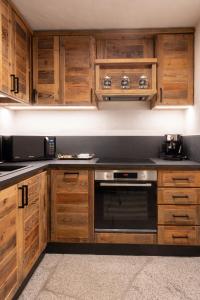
125 201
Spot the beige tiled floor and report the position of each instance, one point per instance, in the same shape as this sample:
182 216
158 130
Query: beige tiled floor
99 277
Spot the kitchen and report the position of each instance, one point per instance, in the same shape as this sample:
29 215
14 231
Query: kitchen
99 150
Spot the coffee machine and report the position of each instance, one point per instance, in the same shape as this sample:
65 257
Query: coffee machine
172 148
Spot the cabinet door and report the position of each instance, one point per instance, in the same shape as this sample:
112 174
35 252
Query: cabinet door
43 211
21 58
46 70
5 47
125 48
77 69
175 69
8 243
70 206
29 223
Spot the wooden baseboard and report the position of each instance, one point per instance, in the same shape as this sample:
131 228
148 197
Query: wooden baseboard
125 238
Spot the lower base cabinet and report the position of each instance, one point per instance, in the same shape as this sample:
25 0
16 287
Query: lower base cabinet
179 235
70 206
9 268
23 231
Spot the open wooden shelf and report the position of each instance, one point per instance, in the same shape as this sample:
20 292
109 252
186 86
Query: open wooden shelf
133 68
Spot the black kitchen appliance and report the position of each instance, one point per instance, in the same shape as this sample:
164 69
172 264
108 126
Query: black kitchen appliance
27 148
172 148
125 201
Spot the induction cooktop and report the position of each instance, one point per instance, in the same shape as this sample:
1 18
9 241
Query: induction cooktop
107 160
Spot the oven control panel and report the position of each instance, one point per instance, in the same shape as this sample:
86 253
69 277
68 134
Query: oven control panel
126 175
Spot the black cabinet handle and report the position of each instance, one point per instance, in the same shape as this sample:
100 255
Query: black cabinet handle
22 204
34 96
180 236
12 82
26 194
71 173
181 216
16 91
161 95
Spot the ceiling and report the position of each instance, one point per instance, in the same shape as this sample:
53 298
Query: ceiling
101 14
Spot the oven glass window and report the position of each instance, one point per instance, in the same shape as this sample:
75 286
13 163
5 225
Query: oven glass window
131 208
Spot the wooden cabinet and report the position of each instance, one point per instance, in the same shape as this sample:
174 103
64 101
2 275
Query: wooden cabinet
76 69
70 213
175 69
5 47
8 242
43 211
125 47
179 235
178 207
21 58
29 206
15 55
46 70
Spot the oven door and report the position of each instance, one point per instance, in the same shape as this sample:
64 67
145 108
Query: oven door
125 206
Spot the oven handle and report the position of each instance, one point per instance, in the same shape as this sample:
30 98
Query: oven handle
124 184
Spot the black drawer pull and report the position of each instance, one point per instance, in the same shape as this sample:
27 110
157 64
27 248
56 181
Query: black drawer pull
181 216
12 82
22 204
180 196
180 236
181 178
16 91
71 173
26 194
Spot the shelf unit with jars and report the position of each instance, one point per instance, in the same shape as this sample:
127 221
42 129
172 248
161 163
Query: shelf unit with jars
130 79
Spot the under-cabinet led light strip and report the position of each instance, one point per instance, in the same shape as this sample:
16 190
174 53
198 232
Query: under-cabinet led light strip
15 107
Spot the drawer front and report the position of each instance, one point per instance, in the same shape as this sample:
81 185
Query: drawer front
178 215
73 181
178 196
180 235
179 178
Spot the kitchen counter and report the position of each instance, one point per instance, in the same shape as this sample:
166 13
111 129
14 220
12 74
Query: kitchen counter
35 167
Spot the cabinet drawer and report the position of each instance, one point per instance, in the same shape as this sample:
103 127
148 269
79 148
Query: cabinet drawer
178 215
178 235
179 178
178 196
73 181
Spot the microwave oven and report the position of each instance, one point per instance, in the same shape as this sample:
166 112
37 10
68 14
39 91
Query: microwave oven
27 148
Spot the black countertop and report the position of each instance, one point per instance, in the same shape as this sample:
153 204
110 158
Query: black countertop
36 167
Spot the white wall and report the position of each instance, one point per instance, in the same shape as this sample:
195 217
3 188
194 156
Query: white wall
112 119
192 118
6 121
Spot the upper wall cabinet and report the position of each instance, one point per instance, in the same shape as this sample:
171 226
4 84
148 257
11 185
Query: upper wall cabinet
46 70
15 49
5 47
63 70
76 69
175 69
21 58
125 48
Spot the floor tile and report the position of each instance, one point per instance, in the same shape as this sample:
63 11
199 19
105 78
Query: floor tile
95 277
46 295
35 284
166 278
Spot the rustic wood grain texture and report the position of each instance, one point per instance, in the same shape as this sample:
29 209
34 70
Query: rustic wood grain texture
21 57
125 48
76 68
178 178
178 214
71 206
175 53
29 225
178 196
8 243
178 235
125 238
46 80
5 47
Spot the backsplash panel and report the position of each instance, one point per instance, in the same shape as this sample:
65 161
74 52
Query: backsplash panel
136 147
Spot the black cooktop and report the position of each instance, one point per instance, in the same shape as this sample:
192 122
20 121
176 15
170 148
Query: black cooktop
108 160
